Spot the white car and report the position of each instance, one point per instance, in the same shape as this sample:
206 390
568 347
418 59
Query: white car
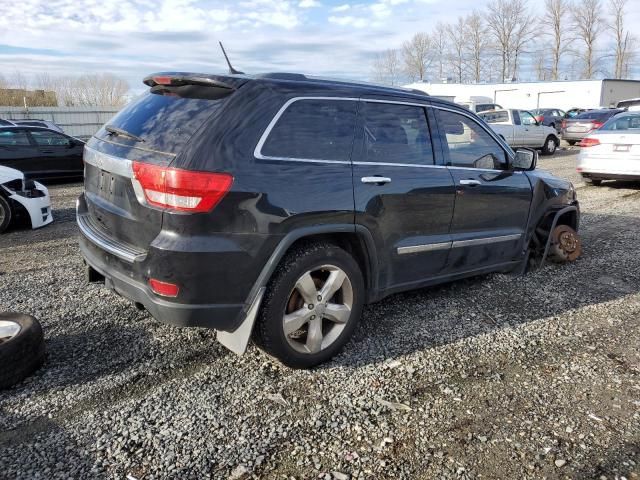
519 128
613 151
19 196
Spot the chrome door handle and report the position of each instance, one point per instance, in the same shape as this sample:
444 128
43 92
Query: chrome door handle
375 180
470 183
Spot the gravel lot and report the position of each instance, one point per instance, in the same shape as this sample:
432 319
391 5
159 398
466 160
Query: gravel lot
494 377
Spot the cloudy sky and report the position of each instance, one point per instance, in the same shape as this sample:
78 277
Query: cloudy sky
132 38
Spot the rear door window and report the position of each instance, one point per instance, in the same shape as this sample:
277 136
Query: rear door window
397 133
48 138
13 138
313 129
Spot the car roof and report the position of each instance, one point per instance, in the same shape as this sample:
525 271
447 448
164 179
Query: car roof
29 127
302 82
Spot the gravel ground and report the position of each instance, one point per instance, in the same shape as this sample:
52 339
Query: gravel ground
494 377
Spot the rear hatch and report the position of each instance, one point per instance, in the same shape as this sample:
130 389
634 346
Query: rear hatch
151 131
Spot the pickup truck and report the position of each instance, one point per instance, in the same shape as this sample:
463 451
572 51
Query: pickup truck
519 128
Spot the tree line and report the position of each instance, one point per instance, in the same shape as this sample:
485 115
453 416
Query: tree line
567 39
89 90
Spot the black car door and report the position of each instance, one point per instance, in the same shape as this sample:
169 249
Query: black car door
401 195
16 150
59 155
491 202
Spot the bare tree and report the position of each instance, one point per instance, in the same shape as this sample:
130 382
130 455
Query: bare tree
387 67
554 19
588 24
18 81
623 38
439 40
418 55
91 90
476 45
502 23
458 42
543 71
523 33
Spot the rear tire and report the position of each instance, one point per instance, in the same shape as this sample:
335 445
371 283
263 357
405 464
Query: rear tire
550 145
5 214
296 324
21 347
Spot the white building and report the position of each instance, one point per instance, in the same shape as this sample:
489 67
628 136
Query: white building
532 95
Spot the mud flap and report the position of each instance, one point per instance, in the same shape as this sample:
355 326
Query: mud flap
238 340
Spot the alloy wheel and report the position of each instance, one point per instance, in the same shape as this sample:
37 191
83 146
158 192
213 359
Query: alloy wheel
318 309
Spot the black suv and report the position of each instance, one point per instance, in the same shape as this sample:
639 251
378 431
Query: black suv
276 206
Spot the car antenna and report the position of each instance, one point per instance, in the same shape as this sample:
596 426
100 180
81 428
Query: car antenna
232 70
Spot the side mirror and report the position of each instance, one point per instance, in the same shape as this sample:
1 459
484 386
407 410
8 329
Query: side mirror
525 159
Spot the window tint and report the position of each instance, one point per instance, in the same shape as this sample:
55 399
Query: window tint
469 144
165 122
313 129
46 137
397 134
10 138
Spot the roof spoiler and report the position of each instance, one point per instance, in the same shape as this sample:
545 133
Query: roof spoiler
179 80
193 85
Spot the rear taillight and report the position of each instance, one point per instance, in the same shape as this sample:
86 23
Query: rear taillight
539 118
597 125
589 142
181 190
564 124
165 289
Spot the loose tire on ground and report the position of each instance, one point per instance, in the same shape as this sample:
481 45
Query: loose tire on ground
21 347
325 324
565 244
5 214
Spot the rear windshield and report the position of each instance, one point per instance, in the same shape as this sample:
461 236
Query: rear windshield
595 115
164 122
623 122
495 117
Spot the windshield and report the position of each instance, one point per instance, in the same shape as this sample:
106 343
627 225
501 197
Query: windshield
595 115
624 122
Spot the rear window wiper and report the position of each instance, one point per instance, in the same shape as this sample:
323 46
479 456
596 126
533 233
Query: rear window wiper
122 133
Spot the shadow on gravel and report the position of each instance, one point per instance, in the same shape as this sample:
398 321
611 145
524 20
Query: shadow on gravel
608 465
427 318
43 449
62 227
84 356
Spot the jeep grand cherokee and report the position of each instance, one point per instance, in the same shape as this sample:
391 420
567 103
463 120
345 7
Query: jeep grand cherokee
276 206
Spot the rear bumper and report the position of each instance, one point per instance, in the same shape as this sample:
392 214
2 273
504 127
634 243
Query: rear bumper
611 176
215 273
225 317
574 136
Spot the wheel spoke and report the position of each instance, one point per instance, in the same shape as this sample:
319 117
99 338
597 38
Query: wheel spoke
337 312
307 288
295 320
314 336
332 285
